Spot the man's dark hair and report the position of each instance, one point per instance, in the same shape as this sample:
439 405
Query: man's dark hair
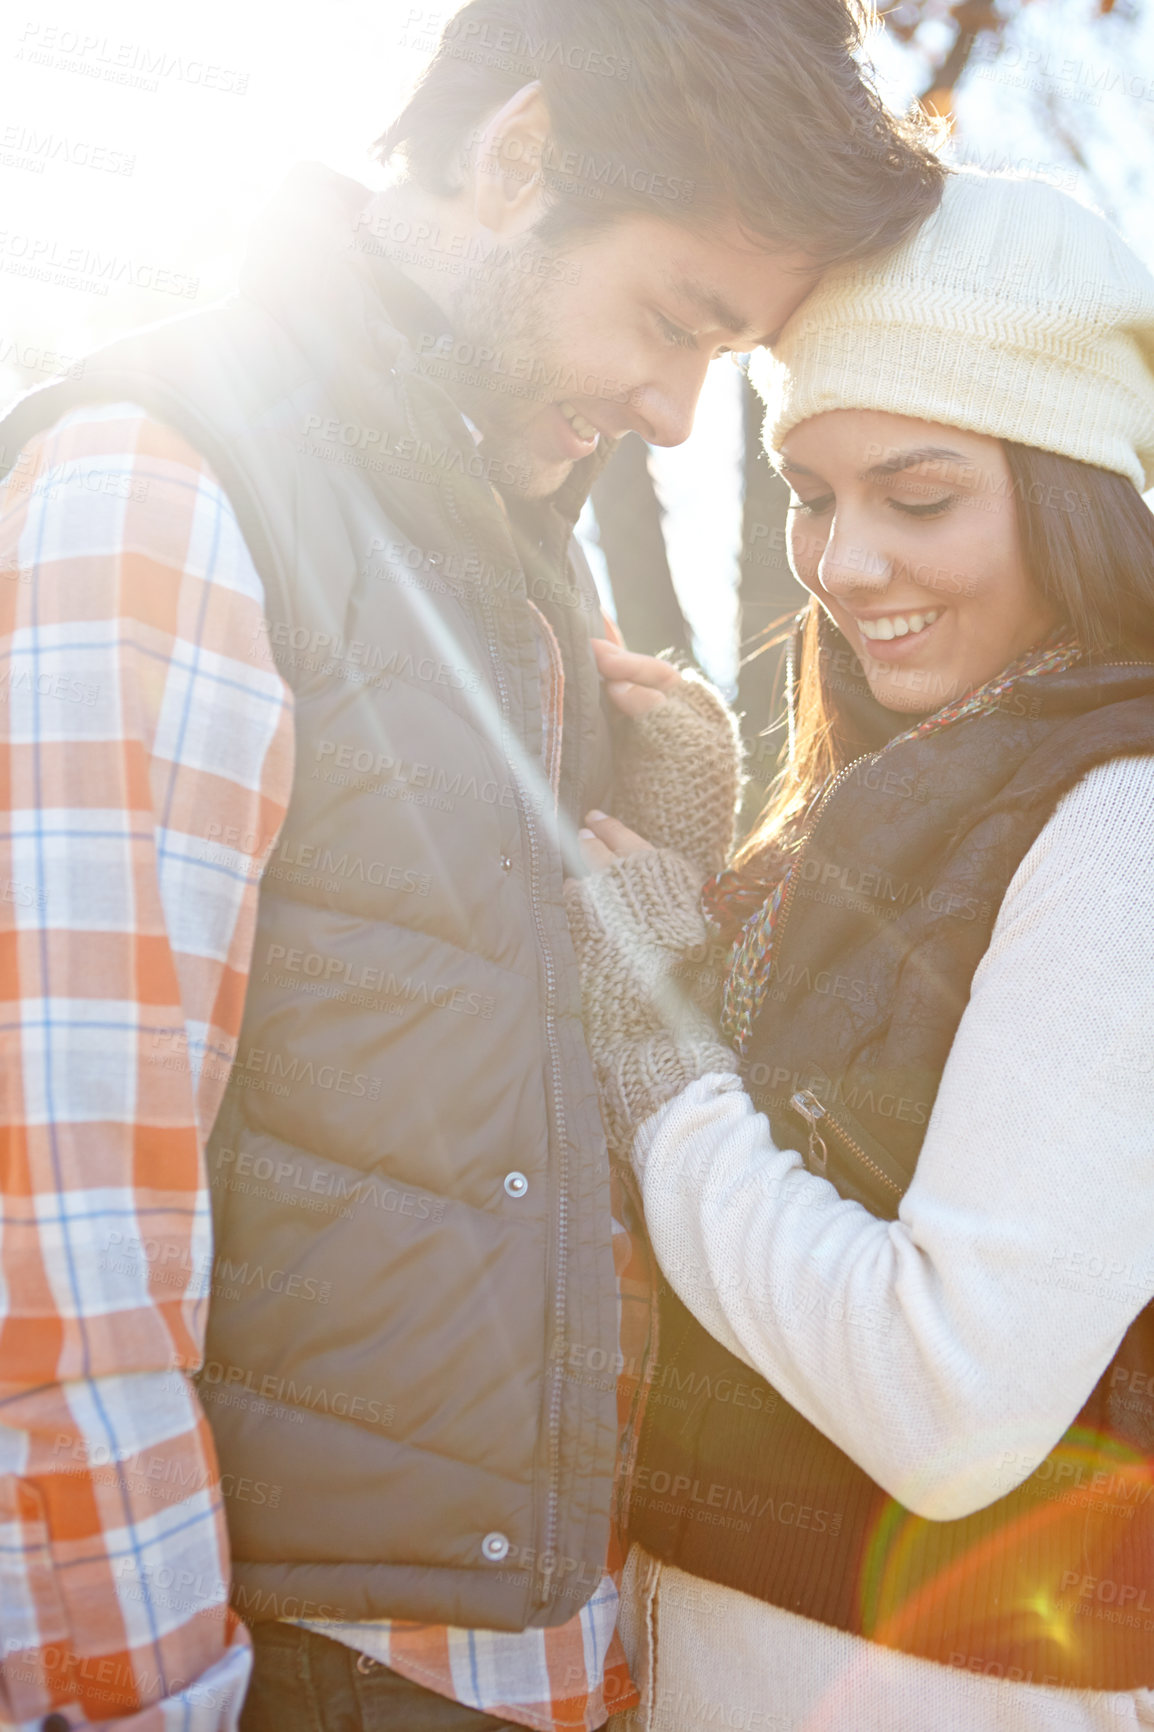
696 110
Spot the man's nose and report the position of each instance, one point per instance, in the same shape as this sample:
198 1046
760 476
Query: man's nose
851 566
663 412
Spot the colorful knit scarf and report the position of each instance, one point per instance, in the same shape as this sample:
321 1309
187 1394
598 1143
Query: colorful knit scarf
738 901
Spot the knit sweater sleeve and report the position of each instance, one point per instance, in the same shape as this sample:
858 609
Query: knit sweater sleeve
947 1352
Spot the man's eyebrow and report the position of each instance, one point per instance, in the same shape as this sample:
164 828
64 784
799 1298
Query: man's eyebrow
717 308
901 460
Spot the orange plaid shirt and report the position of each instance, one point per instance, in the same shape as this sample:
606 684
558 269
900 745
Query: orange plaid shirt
135 711
139 720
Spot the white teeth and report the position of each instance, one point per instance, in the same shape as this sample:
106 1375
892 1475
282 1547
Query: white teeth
896 625
584 429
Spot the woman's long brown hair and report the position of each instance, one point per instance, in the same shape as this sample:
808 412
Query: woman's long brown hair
1087 538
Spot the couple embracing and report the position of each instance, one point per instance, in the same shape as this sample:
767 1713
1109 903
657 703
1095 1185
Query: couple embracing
647 1281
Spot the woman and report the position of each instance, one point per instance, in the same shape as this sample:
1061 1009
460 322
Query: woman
898 1468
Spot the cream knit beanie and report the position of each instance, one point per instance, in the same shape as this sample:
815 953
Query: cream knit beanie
1014 311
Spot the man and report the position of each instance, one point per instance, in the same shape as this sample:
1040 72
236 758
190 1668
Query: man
328 525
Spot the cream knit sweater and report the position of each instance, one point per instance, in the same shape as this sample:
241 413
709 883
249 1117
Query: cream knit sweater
948 1351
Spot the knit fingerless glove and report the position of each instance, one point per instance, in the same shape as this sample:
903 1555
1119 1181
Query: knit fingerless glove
678 779
636 929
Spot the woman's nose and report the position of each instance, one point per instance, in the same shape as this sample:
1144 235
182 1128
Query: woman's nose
851 566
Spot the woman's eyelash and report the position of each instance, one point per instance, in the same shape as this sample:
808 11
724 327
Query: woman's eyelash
818 507
935 508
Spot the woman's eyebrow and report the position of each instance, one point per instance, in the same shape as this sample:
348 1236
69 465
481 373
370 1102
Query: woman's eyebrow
898 461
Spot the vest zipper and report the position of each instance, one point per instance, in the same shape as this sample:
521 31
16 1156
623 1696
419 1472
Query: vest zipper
807 1106
560 1295
803 845
562 1269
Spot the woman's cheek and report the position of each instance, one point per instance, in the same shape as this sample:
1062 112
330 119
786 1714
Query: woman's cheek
806 547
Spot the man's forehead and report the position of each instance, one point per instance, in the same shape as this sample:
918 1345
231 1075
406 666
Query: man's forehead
709 301
717 277
749 303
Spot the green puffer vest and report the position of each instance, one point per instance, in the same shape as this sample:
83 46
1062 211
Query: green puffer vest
411 1185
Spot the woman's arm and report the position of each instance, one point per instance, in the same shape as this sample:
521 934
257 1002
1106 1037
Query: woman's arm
948 1351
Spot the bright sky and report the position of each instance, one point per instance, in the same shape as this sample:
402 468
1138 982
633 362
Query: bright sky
139 146
134 150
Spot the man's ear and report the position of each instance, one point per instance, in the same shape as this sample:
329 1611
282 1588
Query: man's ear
508 188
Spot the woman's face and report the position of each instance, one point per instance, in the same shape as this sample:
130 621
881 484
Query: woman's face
907 533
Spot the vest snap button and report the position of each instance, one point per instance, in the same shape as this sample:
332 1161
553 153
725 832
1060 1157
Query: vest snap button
365 1664
516 1184
495 1548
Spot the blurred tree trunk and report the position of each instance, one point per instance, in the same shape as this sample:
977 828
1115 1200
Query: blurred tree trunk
629 526
769 596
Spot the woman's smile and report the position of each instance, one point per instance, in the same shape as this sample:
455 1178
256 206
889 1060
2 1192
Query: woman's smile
898 636
908 535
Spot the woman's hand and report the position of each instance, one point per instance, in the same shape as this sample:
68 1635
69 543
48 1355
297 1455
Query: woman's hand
606 840
640 938
636 684
678 761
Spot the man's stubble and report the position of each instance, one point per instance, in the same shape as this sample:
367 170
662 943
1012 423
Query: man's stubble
513 311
